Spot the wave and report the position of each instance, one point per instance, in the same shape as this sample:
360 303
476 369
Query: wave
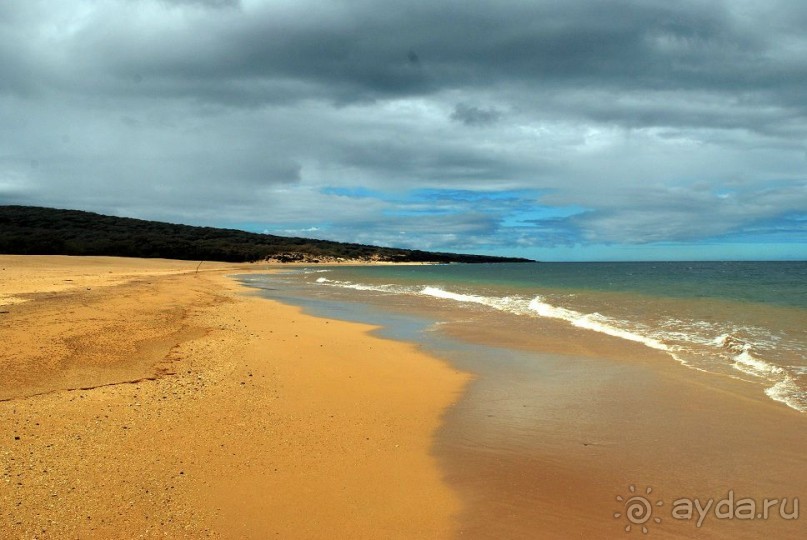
510 304
786 391
394 289
684 347
589 321
593 321
784 388
312 271
744 360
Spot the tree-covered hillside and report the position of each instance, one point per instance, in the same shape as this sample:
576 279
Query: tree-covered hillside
48 231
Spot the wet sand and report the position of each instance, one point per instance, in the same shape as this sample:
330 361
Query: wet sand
547 436
559 421
174 405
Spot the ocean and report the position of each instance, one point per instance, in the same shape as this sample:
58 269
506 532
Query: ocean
743 320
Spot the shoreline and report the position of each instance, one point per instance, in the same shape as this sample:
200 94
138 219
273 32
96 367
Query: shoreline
259 421
554 427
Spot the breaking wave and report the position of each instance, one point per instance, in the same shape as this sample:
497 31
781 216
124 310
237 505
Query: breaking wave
683 341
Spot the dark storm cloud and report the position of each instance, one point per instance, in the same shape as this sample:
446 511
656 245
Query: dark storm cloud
367 49
475 116
409 160
376 49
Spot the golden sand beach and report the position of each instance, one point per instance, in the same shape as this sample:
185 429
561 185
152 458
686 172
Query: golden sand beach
144 400
153 399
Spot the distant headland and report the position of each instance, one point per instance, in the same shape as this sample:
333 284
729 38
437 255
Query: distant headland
30 230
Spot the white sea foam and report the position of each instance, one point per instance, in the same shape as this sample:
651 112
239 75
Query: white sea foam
511 304
593 321
589 321
745 361
786 391
751 365
362 286
440 293
673 338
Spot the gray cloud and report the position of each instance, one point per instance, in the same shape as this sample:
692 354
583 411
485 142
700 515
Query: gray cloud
206 3
687 214
475 116
656 121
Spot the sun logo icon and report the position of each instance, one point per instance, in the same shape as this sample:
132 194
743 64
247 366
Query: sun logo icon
638 509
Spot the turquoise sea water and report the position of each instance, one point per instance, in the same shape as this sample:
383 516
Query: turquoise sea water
746 320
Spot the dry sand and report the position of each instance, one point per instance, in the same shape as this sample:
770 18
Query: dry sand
163 402
23 277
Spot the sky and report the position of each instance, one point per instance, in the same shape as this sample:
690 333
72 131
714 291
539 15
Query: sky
554 130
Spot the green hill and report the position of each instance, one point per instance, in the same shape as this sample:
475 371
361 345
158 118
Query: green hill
47 231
